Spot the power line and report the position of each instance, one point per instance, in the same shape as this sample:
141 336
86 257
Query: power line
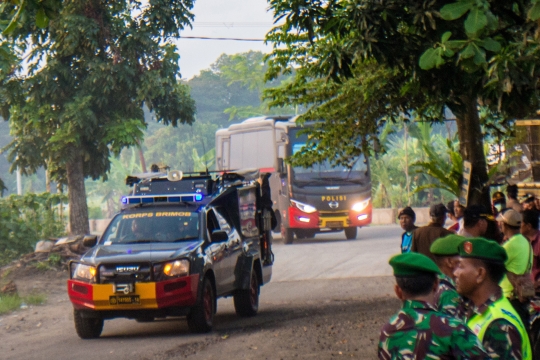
218 38
234 24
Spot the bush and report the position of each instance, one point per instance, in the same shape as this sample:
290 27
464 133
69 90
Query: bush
24 220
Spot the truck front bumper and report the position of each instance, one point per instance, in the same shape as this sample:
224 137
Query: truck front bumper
180 292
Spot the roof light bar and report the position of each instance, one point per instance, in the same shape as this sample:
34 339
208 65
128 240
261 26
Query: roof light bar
149 199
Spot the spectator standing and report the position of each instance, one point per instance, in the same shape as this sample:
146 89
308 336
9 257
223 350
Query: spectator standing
446 254
418 330
529 229
528 203
512 202
498 202
406 218
492 318
475 221
451 215
424 236
458 213
519 261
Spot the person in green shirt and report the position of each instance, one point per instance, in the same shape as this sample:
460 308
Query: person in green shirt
520 258
491 317
447 299
419 330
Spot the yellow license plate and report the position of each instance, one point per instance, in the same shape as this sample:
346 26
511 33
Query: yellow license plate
125 299
334 224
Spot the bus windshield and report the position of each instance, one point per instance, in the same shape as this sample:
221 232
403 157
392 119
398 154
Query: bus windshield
152 227
324 171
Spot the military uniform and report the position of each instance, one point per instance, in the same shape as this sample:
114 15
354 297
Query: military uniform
495 322
447 299
419 331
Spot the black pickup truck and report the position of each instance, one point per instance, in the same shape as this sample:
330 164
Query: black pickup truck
179 243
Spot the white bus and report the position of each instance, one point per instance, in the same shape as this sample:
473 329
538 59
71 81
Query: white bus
307 201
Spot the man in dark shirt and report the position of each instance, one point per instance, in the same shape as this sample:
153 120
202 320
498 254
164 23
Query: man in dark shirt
406 218
425 236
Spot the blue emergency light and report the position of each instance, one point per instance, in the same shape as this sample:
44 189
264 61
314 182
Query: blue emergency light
150 199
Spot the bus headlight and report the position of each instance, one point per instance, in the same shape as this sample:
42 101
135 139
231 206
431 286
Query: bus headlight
359 206
308 209
85 273
176 268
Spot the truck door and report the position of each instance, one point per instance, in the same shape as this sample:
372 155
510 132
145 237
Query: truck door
233 249
217 251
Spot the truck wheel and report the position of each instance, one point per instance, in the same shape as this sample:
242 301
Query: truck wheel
350 232
201 317
87 328
246 301
288 236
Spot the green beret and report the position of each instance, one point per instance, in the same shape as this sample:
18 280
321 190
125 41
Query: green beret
447 246
481 248
413 264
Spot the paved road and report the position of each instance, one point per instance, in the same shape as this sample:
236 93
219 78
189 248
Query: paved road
325 271
330 256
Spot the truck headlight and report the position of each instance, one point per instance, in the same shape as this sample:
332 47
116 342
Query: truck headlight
359 206
176 268
308 209
85 273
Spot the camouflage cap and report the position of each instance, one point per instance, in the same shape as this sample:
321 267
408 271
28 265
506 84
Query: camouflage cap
484 249
447 246
413 264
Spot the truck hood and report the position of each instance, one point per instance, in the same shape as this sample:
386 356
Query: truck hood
153 252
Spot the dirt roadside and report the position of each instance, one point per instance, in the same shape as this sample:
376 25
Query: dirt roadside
326 320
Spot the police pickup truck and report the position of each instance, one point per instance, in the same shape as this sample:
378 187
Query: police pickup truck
180 242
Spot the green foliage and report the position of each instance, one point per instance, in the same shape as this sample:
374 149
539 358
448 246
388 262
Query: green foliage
419 59
9 303
87 76
24 220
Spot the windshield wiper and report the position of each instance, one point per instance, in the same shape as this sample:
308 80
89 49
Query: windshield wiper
185 239
142 241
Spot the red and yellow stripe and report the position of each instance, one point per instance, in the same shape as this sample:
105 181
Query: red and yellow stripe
153 295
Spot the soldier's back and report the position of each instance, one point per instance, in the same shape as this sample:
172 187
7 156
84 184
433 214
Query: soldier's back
419 331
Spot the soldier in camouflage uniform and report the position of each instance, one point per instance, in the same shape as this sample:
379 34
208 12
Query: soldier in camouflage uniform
491 317
418 331
447 299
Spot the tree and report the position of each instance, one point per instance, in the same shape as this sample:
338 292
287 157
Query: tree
361 63
77 95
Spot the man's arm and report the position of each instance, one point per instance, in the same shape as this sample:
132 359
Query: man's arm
503 341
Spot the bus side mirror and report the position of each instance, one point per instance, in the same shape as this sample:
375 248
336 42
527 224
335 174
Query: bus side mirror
90 241
282 169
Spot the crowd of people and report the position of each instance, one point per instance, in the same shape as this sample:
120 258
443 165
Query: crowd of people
466 287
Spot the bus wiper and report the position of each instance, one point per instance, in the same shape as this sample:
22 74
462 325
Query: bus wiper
142 242
185 239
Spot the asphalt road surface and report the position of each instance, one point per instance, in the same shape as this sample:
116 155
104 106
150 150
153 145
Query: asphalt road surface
328 297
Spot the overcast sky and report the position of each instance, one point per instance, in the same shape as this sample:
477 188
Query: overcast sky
226 19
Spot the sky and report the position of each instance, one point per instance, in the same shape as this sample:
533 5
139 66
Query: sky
226 19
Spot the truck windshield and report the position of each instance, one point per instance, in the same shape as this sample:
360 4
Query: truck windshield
324 171
152 226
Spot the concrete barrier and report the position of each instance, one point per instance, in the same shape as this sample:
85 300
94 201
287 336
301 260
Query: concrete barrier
389 216
379 217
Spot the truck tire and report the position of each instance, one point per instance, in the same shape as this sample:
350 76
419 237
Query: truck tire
246 301
201 317
350 232
288 235
87 328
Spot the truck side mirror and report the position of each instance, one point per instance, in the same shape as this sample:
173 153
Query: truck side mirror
282 169
89 241
219 236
